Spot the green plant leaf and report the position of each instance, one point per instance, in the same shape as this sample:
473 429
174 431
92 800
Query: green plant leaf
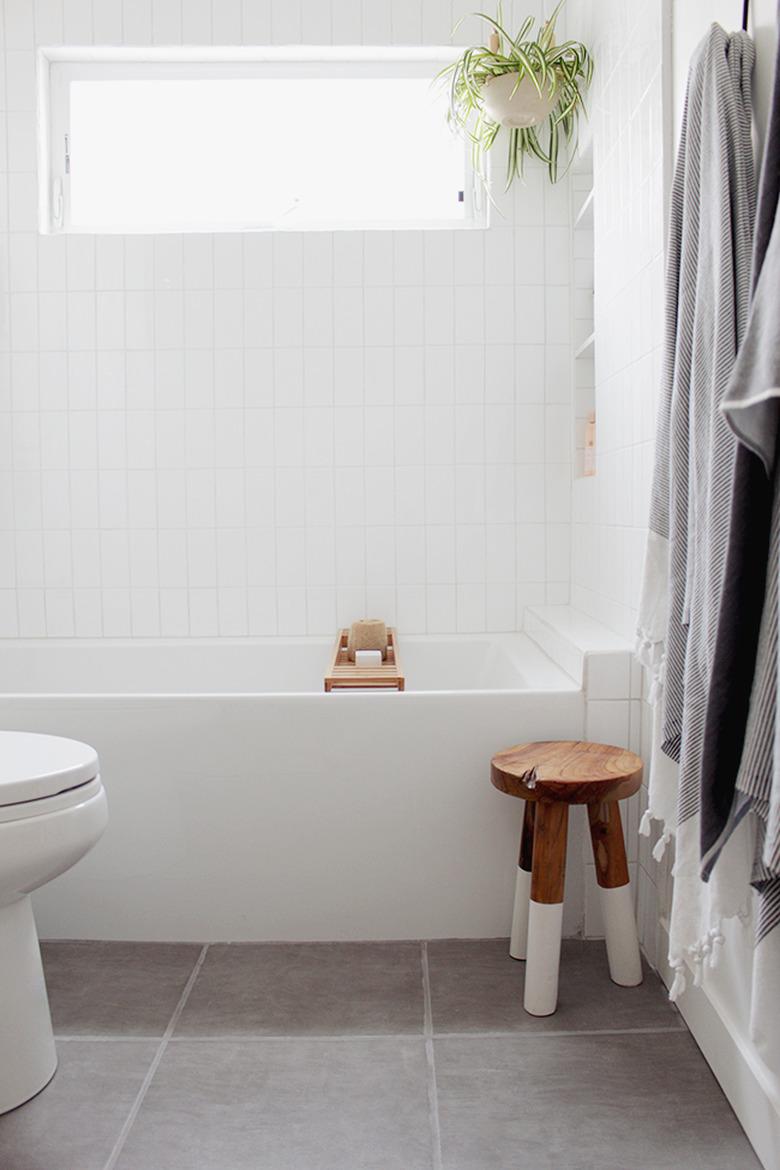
562 72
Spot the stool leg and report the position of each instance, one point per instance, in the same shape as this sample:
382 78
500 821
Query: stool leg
609 853
546 908
518 943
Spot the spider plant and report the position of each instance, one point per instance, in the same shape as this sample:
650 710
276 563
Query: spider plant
555 75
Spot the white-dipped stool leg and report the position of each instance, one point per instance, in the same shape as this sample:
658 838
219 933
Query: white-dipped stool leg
545 916
544 958
518 941
617 908
609 853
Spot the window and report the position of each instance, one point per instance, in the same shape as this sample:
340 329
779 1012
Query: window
290 140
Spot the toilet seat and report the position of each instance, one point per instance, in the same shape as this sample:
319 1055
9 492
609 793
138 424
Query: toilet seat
25 810
35 767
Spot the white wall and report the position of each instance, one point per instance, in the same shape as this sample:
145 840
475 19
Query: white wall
610 509
690 22
260 434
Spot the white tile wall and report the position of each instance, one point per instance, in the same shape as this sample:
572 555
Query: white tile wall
630 141
230 435
627 112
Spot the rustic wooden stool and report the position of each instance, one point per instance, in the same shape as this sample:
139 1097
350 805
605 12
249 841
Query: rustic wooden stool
549 776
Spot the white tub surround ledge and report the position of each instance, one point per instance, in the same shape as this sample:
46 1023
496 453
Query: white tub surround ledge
597 658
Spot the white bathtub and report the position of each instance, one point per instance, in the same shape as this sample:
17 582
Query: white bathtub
247 804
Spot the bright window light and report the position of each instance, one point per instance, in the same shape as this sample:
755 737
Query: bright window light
228 147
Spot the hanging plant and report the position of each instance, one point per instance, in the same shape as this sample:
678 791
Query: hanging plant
528 84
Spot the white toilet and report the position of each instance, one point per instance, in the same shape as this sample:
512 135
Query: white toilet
52 811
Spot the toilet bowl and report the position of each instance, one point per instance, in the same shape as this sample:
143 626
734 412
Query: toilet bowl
52 811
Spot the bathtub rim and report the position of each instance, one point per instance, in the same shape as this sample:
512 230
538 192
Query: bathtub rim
556 681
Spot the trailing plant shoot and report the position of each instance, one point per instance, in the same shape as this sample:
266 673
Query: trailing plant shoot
529 84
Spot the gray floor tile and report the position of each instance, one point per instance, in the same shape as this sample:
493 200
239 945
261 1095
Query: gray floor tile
476 987
624 1102
115 989
356 1104
74 1122
314 989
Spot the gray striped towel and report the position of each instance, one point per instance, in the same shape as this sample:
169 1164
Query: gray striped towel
708 269
751 406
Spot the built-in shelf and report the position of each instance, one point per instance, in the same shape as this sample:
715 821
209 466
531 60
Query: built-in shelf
584 217
583 326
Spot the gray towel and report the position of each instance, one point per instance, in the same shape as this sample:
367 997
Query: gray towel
751 407
708 285
707 303
754 414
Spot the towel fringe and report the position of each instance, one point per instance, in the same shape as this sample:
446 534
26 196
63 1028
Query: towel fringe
678 983
651 654
705 953
645 826
660 846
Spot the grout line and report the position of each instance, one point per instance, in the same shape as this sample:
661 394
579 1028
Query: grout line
433 1094
86 1039
298 1037
347 1037
130 1119
530 1033
426 978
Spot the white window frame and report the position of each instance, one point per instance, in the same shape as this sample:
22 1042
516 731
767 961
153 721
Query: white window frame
58 66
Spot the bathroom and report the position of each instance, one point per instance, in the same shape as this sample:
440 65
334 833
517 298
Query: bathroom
283 926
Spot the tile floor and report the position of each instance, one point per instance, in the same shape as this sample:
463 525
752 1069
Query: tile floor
362 1056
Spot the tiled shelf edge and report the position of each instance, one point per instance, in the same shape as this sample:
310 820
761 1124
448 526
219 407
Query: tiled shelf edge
592 654
584 216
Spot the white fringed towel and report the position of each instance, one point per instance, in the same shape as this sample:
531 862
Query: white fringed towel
707 293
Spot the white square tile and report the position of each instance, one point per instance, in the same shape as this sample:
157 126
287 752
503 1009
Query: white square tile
166 22
607 721
470 494
469 314
530 315
441 608
348 259
471 608
262 605
608 675
350 549
320 557
349 495
380 495
500 607
318 316
347 316
256 22
409 316
378 309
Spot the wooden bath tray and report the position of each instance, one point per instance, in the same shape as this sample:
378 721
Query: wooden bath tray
345 675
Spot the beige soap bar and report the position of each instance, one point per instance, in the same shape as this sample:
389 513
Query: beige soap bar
367 634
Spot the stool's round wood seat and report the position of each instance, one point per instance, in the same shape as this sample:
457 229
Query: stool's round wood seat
569 771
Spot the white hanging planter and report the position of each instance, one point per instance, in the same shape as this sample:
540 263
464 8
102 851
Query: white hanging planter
516 105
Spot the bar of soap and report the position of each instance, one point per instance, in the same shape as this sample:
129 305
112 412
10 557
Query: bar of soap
368 658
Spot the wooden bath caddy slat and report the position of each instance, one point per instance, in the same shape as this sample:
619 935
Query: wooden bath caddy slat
346 675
